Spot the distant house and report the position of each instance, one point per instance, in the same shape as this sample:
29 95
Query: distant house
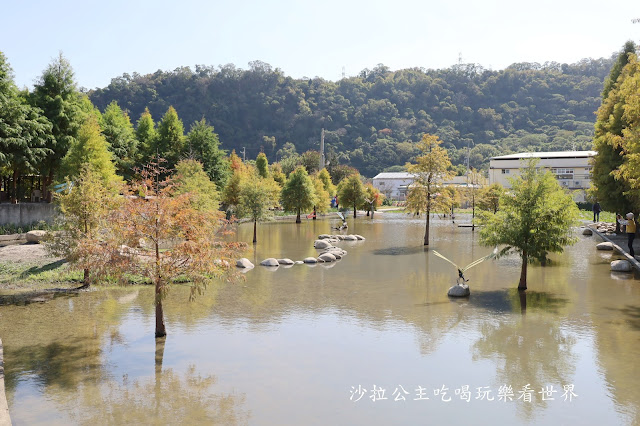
571 168
395 185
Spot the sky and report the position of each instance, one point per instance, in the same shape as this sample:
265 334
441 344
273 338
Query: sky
305 38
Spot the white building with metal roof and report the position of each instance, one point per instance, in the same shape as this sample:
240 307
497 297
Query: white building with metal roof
571 168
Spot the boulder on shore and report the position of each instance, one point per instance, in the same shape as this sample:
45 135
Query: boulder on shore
587 231
244 263
36 236
270 262
459 291
621 266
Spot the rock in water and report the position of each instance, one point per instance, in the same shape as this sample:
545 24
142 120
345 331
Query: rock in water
621 266
605 246
321 244
327 257
270 262
587 231
244 263
459 291
285 261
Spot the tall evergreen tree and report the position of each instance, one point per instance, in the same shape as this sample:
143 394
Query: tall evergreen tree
170 137
262 165
118 131
203 145
146 135
24 132
89 149
56 95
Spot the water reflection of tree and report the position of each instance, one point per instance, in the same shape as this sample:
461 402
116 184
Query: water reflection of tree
167 398
528 348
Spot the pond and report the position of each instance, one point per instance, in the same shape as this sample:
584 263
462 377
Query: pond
371 339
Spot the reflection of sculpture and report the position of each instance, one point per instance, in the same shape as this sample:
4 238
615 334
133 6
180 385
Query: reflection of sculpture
461 280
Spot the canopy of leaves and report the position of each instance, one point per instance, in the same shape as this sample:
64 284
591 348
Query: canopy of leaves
535 216
258 196
351 192
298 193
90 149
118 131
190 178
203 145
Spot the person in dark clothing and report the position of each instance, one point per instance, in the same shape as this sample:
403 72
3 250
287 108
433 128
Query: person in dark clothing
596 211
631 230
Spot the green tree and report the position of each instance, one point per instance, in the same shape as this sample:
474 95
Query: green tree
169 143
431 168
489 197
189 177
629 142
257 196
89 148
24 132
323 199
204 146
118 131
610 123
325 177
262 165
146 136
298 193
277 174
55 93
535 218
351 192
84 206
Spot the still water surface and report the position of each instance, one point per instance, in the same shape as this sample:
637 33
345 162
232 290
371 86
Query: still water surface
306 345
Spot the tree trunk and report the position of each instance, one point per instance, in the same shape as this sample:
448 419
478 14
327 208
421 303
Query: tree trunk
48 182
314 212
523 272
298 217
255 225
160 329
14 195
373 208
426 230
85 278
354 209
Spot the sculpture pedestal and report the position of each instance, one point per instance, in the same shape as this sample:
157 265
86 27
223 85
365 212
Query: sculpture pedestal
459 291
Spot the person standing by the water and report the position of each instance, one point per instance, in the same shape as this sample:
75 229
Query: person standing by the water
631 230
596 212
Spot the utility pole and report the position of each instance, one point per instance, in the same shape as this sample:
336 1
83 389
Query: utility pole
244 154
322 161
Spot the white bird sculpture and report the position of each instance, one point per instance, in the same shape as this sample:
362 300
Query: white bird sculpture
344 221
461 280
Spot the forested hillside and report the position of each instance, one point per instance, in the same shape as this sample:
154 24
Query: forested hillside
375 120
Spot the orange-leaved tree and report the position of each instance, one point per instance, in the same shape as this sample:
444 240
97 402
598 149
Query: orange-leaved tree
158 234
